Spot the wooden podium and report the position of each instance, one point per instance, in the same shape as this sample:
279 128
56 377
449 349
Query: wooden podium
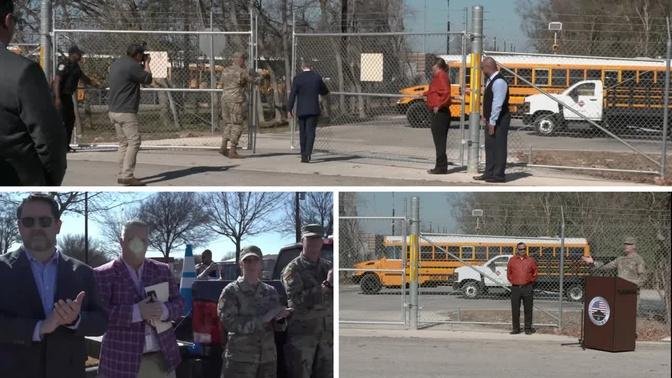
609 314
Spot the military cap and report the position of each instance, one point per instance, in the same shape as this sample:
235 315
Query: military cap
629 240
251 250
312 230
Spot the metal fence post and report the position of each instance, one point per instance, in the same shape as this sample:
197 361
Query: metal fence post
666 102
562 265
45 29
404 261
292 73
414 251
463 90
475 100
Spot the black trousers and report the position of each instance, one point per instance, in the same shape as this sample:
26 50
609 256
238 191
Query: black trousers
440 126
495 148
526 294
68 117
307 126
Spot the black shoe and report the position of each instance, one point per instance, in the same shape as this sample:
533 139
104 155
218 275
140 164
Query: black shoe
514 332
481 178
304 159
495 179
530 331
437 171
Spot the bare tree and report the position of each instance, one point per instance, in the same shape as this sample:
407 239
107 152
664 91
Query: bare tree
75 246
9 231
237 216
175 219
314 207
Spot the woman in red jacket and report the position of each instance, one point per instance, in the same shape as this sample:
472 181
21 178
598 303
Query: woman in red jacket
438 102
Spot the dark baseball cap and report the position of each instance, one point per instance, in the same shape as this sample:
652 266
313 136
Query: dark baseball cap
136 48
312 231
75 50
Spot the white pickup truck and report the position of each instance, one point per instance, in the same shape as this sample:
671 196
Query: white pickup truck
474 281
616 108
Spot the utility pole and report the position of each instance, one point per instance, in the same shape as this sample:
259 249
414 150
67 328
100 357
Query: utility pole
45 42
297 216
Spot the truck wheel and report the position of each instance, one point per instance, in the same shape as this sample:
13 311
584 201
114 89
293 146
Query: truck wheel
471 289
575 293
370 284
418 115
546 124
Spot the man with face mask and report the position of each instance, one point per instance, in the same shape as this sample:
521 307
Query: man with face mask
48 301
250 311
308 282
32 141
132 347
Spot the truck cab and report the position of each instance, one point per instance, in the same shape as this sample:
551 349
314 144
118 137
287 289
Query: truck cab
548 116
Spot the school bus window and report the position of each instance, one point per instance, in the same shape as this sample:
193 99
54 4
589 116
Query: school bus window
508 76
493 251
559 78
393 252
534 251
507 250
610 78
481 253
646 77
426 253
467 253
575 76
629 76
594 75
525 73
575 253
439 253
454 74
454 251
547 252
541 76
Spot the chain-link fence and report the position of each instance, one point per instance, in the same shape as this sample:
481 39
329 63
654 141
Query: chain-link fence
463 278
602 110
377 80
182 106
372 276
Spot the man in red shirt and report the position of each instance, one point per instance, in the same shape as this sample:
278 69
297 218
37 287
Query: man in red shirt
438 102
522 274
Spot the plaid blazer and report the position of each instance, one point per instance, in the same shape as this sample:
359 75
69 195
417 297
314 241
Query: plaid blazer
124 341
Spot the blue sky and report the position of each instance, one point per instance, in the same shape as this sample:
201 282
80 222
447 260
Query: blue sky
435 209
500 17
269 242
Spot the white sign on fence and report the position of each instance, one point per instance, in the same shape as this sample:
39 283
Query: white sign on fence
371 67
159 64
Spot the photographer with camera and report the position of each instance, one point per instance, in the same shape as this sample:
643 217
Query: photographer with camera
126 75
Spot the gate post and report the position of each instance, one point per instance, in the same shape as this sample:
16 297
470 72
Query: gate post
414 249
475 100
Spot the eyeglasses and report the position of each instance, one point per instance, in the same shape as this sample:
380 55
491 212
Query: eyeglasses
30 222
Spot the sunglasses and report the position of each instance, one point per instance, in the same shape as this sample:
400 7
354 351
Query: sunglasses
521 249
43 222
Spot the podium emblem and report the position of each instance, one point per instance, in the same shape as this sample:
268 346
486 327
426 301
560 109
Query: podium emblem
599 311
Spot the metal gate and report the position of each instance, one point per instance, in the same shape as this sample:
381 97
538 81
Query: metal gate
373 275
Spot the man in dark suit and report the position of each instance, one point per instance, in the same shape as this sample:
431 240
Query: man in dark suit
48 302
307 88
32 140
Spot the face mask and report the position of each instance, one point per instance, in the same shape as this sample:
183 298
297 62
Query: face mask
137 247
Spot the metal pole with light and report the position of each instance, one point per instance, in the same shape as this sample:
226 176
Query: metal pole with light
555 27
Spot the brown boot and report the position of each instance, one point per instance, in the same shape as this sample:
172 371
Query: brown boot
224 151
131 181
233 154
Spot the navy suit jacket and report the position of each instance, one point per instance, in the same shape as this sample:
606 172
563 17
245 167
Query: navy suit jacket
306 89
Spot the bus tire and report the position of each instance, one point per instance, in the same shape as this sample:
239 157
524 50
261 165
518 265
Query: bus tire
418 115
546 124
574 292
370 283
471 289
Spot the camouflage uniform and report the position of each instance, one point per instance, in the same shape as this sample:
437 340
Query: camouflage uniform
234 81
309 345
250 349
630 267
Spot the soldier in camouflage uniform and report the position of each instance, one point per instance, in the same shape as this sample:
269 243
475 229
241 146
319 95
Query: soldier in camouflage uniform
234 80
308 283
250 311
629 267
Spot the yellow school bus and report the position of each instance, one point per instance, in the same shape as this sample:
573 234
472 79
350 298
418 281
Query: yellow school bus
437 267
552 73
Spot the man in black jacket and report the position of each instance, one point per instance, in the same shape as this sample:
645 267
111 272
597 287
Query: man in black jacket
32 140
307 88
48 302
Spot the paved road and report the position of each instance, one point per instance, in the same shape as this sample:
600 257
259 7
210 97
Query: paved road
471 355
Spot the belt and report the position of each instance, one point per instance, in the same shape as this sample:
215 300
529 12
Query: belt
527 284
